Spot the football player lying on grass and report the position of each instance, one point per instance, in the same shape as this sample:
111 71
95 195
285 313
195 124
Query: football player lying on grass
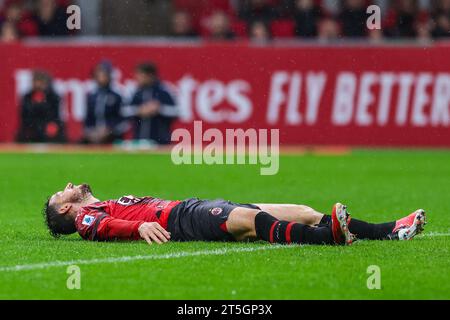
155 220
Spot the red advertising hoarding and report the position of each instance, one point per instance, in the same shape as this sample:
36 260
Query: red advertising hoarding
354 95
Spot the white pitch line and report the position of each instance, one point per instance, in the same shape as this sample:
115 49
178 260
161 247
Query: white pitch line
53 264
216 252
435 234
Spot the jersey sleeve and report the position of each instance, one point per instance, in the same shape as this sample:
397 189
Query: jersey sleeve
100 226
112 229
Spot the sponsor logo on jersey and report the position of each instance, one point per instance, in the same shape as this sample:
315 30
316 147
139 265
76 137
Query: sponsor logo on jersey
88 220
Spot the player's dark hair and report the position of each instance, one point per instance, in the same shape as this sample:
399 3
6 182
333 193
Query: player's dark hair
148 68
41 75
57 224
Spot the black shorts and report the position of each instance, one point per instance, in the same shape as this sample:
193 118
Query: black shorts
202 220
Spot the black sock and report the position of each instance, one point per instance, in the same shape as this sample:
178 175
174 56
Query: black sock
271 229
371 231
364 230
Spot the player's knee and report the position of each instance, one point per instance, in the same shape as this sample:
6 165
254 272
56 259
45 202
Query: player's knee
312 216
241 222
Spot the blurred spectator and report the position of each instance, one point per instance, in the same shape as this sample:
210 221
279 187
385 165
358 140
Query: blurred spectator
402 19
257 10
228 19
51 19
103 123
201 10
375 35
153 108
441 16
328 29
353 18
15 14
423 30
442 7
219 26
8 33
40 120
182 25
442 26
259 32
306 16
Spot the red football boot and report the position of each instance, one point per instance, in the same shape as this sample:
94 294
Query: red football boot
409 226
339 225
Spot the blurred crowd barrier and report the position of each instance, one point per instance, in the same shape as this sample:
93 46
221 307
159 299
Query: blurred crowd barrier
355 95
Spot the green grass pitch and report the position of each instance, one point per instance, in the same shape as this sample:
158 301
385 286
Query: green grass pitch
376 185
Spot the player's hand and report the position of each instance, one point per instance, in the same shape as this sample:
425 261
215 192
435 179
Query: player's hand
152 231
149 109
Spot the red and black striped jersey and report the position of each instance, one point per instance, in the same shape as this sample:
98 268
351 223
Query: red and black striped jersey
121 218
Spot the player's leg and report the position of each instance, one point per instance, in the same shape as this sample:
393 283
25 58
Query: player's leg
247 223
402 229
293 212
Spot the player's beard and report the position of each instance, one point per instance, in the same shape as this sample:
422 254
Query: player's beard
86 189
85 192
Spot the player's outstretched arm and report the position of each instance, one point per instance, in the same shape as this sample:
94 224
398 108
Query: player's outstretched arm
153 232
107 228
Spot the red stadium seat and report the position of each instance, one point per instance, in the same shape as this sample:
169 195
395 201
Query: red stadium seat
282 28
200 10
240 28
203 6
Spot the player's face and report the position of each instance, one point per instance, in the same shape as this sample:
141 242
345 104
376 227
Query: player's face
39 84
71 194
102 77
142 78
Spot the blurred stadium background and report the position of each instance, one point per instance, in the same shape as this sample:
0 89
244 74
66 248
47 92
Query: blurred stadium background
311 68
138 69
